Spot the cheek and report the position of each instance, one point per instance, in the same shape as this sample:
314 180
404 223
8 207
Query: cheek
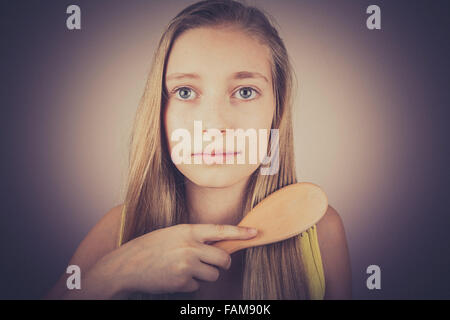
258 116
174 119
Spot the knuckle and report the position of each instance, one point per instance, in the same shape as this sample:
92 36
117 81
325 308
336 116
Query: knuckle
188 284
182 267
194 286
196 246
220 228
224 259
183 283
180 282
190 230
191 252
227 261
185 280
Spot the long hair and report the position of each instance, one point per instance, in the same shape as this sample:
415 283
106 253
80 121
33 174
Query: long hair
155 194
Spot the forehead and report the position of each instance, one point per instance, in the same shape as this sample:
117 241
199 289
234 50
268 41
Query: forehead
218 52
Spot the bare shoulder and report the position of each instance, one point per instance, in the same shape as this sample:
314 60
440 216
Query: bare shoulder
100 240
330 225
335 255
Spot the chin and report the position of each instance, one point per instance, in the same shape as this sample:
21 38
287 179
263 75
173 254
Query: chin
217 175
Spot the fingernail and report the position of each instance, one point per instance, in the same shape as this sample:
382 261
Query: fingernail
252 231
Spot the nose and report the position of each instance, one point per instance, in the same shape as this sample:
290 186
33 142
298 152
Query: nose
222 131
215 113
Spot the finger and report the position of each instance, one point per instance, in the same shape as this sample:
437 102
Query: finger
205 272
214 256
216 232
192 285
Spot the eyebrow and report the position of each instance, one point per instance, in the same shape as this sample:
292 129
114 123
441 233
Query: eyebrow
247 75
236 75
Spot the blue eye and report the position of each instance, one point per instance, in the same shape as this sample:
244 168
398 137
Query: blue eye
184 93
246 92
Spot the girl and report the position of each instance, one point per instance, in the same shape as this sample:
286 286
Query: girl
222 63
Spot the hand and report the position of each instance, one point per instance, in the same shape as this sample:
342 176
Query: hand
172 259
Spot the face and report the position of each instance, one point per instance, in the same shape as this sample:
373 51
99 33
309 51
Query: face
219 78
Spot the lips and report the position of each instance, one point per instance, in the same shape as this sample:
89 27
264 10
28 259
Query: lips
217 154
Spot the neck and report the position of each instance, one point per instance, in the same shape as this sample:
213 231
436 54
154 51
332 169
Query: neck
215 205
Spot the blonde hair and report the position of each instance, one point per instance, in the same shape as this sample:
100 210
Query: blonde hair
155 195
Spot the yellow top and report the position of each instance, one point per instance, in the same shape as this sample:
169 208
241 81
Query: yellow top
122 226
311 257
312 262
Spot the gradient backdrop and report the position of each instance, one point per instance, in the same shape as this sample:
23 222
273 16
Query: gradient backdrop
370 129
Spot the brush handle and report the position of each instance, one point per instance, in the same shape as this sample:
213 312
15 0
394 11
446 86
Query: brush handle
230 246
283 214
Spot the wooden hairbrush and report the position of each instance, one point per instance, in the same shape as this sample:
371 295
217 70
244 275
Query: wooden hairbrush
283 214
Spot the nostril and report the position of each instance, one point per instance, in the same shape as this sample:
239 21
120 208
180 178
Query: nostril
223 131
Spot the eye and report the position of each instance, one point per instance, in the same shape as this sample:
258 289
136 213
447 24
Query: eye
184 93
247 92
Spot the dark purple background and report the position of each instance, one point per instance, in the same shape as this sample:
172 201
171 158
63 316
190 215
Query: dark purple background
40 228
